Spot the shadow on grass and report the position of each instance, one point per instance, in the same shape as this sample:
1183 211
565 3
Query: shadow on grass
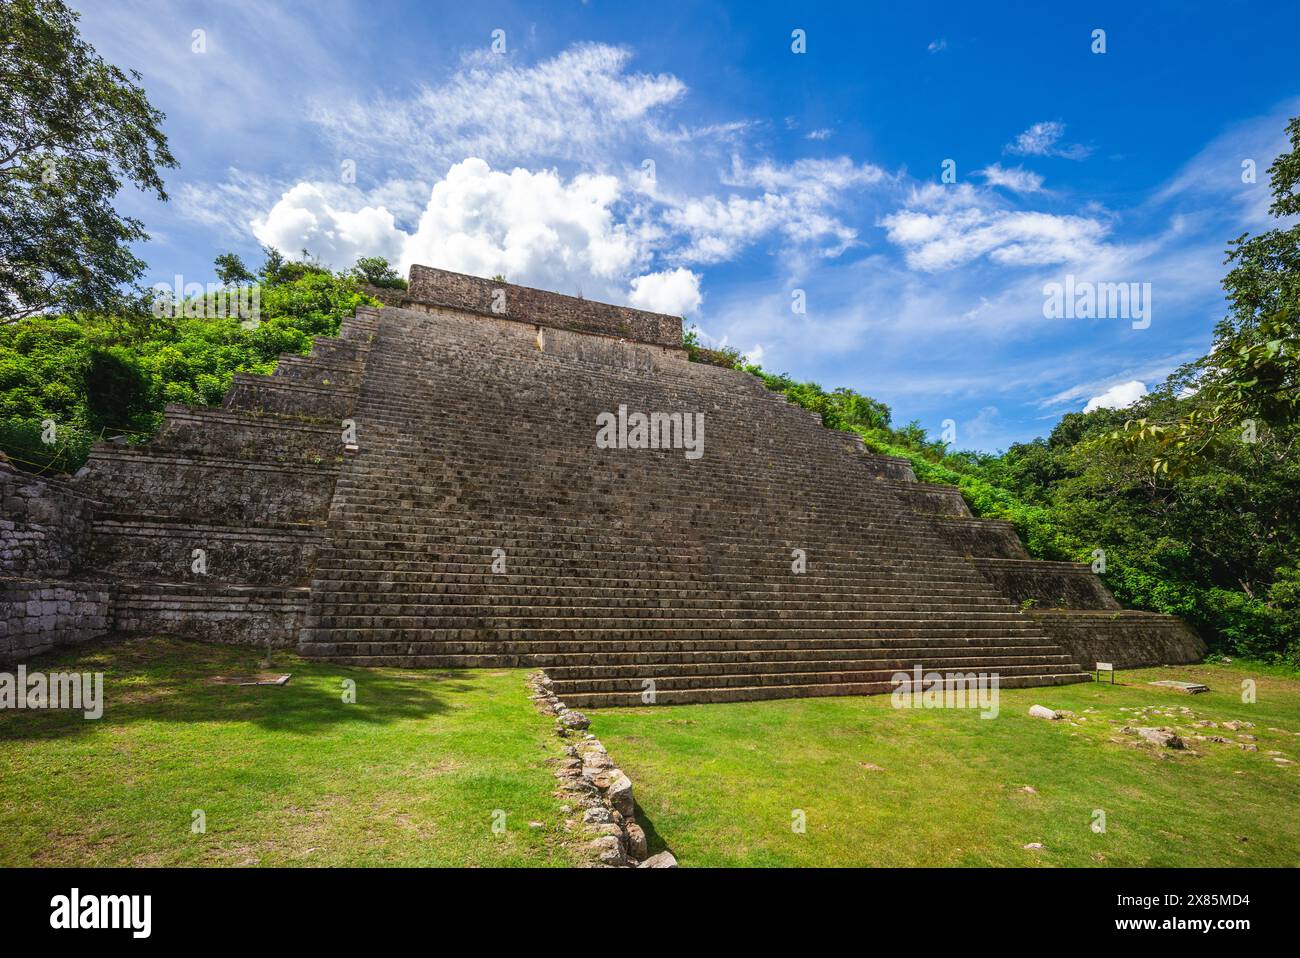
169 680
654 842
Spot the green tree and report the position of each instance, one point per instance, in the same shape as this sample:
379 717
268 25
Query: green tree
276 269
1250 379
376 271
231 270
72 129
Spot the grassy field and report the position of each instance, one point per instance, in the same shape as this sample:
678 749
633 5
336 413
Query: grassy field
410 774
721 784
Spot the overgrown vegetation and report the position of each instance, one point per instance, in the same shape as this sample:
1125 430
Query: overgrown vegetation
92 376
1250 380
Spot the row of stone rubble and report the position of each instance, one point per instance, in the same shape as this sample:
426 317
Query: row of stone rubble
597 794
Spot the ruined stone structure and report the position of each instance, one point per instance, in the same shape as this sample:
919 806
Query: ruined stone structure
476 521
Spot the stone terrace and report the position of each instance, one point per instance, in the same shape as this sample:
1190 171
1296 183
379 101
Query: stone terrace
619 570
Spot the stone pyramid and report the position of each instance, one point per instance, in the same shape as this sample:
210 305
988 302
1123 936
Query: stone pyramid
482 475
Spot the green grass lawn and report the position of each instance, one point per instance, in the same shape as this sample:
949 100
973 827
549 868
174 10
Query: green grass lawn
719 784
411 774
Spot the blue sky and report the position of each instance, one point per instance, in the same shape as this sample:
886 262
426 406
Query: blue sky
683 157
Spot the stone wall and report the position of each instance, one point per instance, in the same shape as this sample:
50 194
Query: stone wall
982 537
1127 638
38 614
44 525
1062 585
928 499
224 614
143 480
440 287
45 528
164 552
597 794
389 297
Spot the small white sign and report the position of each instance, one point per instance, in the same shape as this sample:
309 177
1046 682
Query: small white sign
1105 667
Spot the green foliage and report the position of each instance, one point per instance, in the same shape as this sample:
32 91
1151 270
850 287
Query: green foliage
1250 378
72 129
276 269
727 357
231 270
376 271
99 376
841 408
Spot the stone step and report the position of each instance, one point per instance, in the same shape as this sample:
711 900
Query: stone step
568 690
583 677
751 693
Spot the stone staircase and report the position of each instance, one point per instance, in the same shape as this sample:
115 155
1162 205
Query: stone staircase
635 566
477 523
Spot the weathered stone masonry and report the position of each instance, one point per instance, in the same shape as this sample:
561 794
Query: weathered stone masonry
45 527
253 523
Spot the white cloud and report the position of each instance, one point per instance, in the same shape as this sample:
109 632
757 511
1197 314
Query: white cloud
1213 178
581 103
533 227
942 227
1120 396
937 46
592 232
1042 139
230 206
797 200
1017 179
304 218
676 292
819 134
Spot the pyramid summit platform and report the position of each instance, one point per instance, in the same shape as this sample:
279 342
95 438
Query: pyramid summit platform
431 489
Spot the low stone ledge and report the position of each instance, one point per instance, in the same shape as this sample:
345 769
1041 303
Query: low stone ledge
439 287
37 615
597 794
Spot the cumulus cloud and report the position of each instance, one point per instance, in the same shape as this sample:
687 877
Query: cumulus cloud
532 227
1017 178
947 226
1120 396
303 218
1043 139
593 234
675 291
937 46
